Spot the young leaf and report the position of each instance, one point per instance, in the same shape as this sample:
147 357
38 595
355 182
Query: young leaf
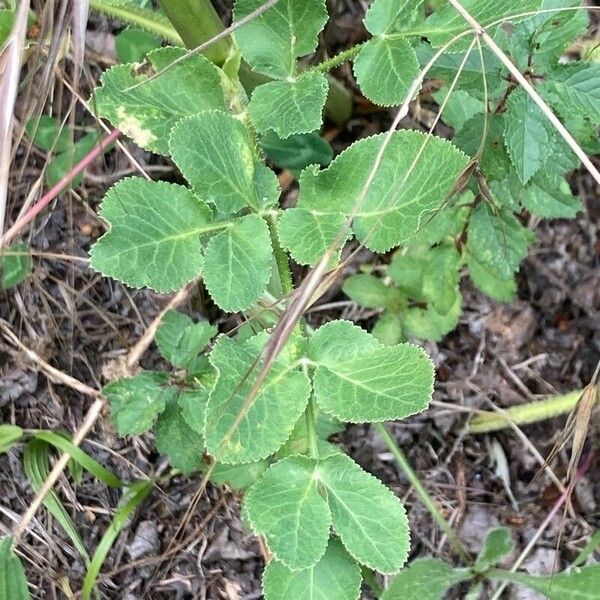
441 277
528 135
148 113
498 543
237 431
336 575
369 383
285 506
489 281
369 519
428 578
132 45
154 235
180 340
385 69
289 107
176 438
237 265
60 165
137 402
47 134
15 265
273 42
415 176
213 151
389 329
239 477
13 584
297 151
9 436
429 324
366 290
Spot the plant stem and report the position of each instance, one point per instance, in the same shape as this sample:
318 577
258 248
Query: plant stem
197 21
283 267
423 494
337 60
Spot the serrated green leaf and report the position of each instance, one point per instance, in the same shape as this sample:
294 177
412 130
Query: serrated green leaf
272 42
154 235
307 236
15 265
397 203
180 340
193 407
366 290
391 16
429 324
369 383
289 107
428 578
297 151
441 277
148 113
446 224
213 151
369 519
575 89
528 135
388 330
497 544
489 282
9 436
13 583
136 402
448 22
238 477
285 506
336 575
459 107
407 270
132 45
174 437
581 583
238 262
385 69
238 431
497 239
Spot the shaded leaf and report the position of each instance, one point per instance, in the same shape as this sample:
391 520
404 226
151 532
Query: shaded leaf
497 544
366 290
15 265
13 584
132 45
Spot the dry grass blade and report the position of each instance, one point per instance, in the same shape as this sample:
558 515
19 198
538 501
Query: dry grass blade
10 68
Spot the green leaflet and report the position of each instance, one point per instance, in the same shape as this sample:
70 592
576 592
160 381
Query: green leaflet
137 402
175 437
389 329
15 265
298 151
336 575
459 108
132 45
403 194
425 578
240 430
285 505
528 135
148 113
498 543
238 263
273 42
154 235
180 340
489 281
214 152
289 107
367 290
447 23
385 69
13 584
239 477
368 382
391 16
575 89
429 324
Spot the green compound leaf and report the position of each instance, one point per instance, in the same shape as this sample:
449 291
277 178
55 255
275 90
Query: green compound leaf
498 543
368 382
575 89
448 22
307 235
528 135
385 69
336 575
289 107
137 402
391 16
285 506
213 151
13 583
273 42
180 340
404 193
148 113
425 578
238 263
367 290
177 439
15 265
497 240
578 583
369 519
238 430
154 235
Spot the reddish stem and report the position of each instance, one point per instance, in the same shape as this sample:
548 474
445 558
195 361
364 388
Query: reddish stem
58 187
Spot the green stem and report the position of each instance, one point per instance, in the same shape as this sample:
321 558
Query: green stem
338 59
523 414
423 494
283 266
197 21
